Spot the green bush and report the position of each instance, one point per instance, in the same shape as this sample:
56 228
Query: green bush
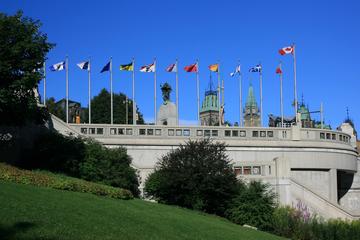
61 182
253 205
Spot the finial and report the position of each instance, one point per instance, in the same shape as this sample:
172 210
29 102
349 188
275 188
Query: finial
347 113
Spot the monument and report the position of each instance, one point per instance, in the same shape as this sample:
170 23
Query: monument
167 114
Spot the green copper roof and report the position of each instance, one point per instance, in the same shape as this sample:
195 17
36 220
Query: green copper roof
251 101
210 102
305 114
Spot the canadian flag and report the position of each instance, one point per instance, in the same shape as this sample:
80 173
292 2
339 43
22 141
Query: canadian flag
286 50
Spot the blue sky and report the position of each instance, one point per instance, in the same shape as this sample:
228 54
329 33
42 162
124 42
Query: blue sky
326 34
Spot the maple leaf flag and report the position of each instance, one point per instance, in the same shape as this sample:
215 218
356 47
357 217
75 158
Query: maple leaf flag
286 50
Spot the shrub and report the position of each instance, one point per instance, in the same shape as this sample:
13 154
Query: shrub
253 204
197 175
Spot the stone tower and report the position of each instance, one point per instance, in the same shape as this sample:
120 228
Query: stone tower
209 111
251 111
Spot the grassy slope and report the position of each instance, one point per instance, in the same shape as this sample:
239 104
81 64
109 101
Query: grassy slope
28 212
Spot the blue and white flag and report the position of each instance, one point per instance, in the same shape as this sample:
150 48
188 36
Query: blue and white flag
106 68
257 68
58 66
237 71
84 65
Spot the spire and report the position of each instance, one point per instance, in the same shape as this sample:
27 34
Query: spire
251 101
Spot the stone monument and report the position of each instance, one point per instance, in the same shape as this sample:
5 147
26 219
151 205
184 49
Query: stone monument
167 114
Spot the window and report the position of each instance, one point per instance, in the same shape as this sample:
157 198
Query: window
256 170
238 171
121 131
255 134
129 131
270 134
186 132
247 170
262 134
199 133
178 132
322 135
327 135
227 133
269 170
235 133
112 131
171 132
157 132
142 131
242 134
207 133
340 137
333 136
92 130
83 130
214 133
99 131
284 134
150 132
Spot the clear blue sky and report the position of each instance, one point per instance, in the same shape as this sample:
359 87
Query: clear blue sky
326 33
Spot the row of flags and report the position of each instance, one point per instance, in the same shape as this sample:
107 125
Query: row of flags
173 67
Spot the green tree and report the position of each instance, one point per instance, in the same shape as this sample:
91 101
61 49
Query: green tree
100 108
254 205
23 48
197 175
54 109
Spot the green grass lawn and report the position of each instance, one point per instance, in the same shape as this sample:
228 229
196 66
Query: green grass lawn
29 212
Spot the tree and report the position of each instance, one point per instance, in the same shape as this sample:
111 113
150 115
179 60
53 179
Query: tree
254 204
197 175
22 54
55 109
100 108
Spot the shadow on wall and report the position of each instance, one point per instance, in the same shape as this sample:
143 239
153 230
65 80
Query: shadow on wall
344 180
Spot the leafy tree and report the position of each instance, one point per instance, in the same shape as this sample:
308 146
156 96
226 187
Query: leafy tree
23 48
197 175
54 109
100 108
254 204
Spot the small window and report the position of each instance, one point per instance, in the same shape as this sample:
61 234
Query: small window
142 131
83 130
214 133
99 131
207 133
247 170
242 134
121 131
186 132
171 132
340 137
322 135
255 134
235 133
158 132
199 133
129 131
178 132
150 132
284 134
270 134
333 136
227 133
256 170
92 130
262 134
238 171
327 135
269 170
112 131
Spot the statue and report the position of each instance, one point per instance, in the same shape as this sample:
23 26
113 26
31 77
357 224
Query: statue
166 90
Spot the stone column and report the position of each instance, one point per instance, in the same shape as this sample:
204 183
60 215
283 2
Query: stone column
333 190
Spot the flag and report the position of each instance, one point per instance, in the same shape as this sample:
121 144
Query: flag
106 68
278 70
191 68
257 68
237 71
84 65
172 68
214 67
127 67
148 68
287 50
58 66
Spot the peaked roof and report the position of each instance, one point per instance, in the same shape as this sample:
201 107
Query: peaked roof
251 101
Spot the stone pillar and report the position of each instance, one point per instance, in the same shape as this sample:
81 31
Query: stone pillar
333 190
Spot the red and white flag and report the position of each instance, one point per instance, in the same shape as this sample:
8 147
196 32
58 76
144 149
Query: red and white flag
278 70
287 50
148 68
191 68
172 68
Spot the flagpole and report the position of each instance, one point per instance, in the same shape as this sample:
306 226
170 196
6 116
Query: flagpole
67 89
261 99
281 97
240 96
321 115
155 118
295 90
177 92
89 70
133 92
111 94
44 66
198 91
219 106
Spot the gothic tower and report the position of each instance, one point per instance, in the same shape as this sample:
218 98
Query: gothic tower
251 111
